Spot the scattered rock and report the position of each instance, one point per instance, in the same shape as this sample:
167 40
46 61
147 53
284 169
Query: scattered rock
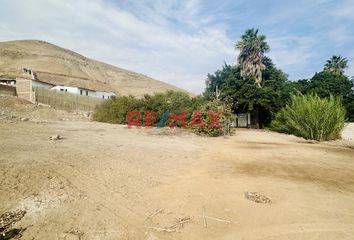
24 119
14 233
55 137
257 197
79 234
87 114
43 105
8 219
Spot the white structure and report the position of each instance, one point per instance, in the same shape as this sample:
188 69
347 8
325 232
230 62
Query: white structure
348 132
35 83
243 120
105 95
84 92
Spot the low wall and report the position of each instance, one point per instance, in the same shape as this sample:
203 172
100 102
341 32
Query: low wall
6 90
66 101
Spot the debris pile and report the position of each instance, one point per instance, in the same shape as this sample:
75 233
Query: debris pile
257 197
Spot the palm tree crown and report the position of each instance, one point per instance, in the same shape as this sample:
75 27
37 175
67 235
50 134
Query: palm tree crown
336 64
252 48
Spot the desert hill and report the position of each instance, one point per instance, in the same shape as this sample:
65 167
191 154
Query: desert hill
57 65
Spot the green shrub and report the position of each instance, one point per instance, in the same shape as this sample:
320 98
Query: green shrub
116 109
311 117
225 119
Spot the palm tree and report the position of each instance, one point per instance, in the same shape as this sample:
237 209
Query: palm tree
336 65
252 48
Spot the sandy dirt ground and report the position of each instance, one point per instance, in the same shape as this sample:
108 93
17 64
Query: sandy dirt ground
103 181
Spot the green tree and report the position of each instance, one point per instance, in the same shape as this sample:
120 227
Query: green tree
215 81
327 83
337 64
263 102
252 49
300 86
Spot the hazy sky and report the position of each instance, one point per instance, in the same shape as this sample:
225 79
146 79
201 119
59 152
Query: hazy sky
180 41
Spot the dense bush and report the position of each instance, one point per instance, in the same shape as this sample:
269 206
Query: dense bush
325 84
211 109
311 117
116 110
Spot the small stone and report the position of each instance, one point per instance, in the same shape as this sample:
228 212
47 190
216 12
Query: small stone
257 197
55 137
24 119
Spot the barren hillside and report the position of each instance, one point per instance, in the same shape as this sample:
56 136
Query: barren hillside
60 66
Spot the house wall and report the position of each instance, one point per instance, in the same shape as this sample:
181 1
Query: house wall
73 90
104 95
84 92
87 92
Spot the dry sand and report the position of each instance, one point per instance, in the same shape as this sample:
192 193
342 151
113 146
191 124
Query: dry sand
103 181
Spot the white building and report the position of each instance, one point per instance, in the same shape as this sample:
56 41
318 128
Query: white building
105 95
30 82
84 92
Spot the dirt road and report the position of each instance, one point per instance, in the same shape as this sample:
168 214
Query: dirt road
105 181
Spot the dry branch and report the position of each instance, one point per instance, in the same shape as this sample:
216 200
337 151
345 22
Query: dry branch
204 218
218 219
157 211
